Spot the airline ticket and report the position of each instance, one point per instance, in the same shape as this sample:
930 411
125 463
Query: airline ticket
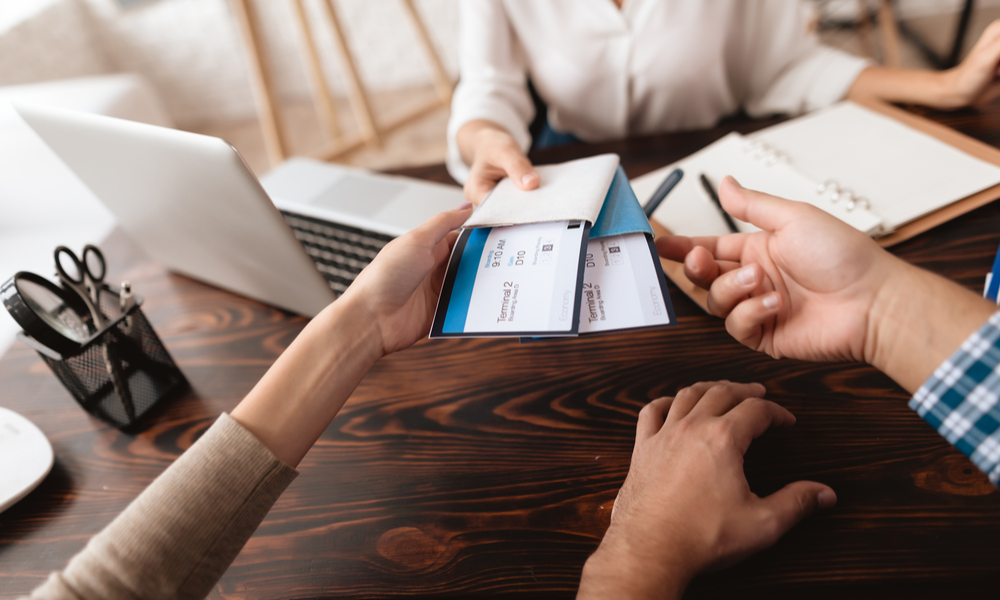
623 285
523 280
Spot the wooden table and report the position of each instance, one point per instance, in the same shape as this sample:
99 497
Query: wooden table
472 468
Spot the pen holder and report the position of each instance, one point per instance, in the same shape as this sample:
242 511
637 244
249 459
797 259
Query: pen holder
147 372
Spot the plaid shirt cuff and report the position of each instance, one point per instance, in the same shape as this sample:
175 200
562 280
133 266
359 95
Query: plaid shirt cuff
961 400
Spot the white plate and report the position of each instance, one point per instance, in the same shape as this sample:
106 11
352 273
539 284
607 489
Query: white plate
25 457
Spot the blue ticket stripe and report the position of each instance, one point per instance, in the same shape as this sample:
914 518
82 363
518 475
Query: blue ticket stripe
465 280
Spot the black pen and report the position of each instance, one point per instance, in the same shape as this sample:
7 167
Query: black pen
661 192
705 183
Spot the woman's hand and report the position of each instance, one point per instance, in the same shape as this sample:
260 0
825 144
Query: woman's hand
974 81
400 287
686 506
493 154
804 287
388 307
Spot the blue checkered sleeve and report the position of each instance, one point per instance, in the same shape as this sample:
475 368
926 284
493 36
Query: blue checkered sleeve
961 400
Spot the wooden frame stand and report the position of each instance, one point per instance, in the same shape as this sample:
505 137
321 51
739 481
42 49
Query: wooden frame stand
371 133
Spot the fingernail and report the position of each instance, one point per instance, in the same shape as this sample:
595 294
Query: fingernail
528 178
771 301
826 499
464 206
745 276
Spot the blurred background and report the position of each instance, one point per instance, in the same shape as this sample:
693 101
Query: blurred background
362 82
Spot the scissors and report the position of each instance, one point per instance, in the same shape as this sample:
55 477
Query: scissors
86 278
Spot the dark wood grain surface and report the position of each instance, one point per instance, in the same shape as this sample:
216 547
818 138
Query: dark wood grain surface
474 468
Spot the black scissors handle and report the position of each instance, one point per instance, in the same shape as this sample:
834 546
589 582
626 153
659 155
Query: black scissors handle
93 262
72 269
82 277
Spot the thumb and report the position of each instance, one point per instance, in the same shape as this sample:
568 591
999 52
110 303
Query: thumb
519 169
433 230
792 503
768 212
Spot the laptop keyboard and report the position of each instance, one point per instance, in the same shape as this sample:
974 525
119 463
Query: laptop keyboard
339 251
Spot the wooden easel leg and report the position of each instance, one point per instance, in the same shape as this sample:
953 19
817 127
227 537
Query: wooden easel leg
325 106
442 82
359 98
267 106
865 29
890 34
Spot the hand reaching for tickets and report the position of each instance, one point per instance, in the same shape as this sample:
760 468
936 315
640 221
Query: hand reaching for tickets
804 287
811 287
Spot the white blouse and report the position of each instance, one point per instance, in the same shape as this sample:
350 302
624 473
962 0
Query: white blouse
651 66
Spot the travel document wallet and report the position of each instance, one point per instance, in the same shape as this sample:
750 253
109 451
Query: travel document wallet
518 273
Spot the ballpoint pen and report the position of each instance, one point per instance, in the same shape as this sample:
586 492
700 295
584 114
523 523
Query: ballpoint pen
993 280
661 192
710 190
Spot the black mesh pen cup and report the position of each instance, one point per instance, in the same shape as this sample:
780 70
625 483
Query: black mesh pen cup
121 371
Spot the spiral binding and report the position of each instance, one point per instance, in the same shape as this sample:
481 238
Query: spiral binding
761 150
838 193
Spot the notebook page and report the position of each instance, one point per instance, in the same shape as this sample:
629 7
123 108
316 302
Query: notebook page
689 211
903 172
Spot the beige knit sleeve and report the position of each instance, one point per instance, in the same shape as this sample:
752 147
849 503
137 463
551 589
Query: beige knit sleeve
180 535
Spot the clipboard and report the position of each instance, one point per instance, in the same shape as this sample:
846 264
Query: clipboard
675 270
949 136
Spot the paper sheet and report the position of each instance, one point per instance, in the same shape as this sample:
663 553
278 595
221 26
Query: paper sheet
688 210
905 173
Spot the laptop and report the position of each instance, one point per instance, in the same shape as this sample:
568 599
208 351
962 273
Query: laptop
294 240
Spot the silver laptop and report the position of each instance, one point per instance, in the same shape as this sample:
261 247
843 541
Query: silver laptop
190 202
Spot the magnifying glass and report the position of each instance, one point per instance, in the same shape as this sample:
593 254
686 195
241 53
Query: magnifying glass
39 307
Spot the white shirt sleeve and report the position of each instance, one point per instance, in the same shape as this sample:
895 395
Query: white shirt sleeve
493 84
788 71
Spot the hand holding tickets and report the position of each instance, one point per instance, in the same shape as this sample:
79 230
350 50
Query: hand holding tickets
519 270
513 281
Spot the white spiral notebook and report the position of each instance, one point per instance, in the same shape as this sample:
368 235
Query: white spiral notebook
882 169
868 169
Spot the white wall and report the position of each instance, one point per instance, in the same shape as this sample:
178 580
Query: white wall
191 52
51 41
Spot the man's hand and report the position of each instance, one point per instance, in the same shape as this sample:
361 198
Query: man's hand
493 154
811 287
400 287
804 287
686 506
